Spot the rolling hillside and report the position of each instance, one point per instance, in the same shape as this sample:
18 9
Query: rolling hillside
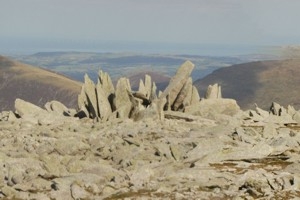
258 82
35 85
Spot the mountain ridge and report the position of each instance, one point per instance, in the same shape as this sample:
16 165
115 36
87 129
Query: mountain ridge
258 83
34 84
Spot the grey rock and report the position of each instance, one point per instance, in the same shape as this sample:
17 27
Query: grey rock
148 89
214 92
78 192
108 87
8 116
142 88
195 96
123 102
277 109
184 97
58 108
208 107
151 112
296 117
177 82
177 152
291 110
269 131
148 86
24 108
104 107
106 83
261 112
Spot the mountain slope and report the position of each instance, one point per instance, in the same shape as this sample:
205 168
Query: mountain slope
258 82
160 79
34 84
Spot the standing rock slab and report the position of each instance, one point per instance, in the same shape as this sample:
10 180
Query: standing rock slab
104 107
195 95
214 92
89 90
184 97
106 82
148 89
177 82
123 103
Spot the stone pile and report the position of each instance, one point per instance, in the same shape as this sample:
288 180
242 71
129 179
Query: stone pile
149 145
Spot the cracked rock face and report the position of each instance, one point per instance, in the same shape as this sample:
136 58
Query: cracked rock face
149 147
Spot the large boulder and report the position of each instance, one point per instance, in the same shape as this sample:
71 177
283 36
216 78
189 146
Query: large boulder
58 108
36 115
208 107
123 102
24 108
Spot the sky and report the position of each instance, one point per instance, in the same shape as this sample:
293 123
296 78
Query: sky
89 23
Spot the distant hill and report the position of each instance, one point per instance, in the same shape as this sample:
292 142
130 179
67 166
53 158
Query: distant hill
35 85
258 82
160 79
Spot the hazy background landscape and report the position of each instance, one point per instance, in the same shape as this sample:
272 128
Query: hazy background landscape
225 126
133 38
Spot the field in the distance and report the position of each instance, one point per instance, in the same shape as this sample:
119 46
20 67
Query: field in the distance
76 64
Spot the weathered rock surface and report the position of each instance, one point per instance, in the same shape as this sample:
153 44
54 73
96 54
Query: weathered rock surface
176 84
208 150
58 108
214 92
181 156
208 107
96 101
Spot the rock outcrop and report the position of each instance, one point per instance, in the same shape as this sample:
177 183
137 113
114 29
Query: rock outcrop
95 100
128 146
179 88
102 101
214 92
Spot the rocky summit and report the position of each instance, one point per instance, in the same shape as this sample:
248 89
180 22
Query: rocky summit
145 144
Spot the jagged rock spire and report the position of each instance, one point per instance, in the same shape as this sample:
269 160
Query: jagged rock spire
214 92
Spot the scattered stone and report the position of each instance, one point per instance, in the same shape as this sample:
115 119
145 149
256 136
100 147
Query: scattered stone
129 145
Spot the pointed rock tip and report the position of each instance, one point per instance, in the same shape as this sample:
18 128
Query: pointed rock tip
86 76
87 79
188 62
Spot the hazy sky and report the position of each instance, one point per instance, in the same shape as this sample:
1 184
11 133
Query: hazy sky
262 22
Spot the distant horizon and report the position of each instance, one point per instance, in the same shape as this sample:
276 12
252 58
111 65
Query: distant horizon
20 47
200 27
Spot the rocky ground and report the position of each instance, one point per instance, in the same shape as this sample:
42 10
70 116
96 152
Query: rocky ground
170 159
216 152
